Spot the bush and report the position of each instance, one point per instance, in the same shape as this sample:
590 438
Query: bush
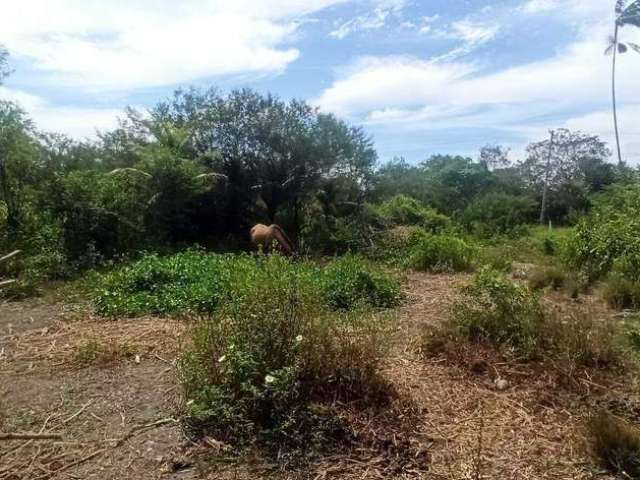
441 253
496 311
272 360
499 311
621 293
349 282
616 443
403 210
198 282
609 236
543 277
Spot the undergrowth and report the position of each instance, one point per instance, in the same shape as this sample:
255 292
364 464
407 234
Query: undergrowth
270 363
198 282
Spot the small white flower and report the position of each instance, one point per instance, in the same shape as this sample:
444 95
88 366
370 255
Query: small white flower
222 358
269 379
299 338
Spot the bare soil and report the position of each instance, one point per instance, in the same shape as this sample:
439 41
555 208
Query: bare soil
113 412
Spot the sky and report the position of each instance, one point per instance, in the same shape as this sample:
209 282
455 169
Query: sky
421 76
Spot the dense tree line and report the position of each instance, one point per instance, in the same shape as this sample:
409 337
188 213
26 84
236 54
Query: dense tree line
202 167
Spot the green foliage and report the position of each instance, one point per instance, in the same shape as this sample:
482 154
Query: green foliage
499 213
349 282
499 311
441 253
609 236
616 443
268 365
507 315
192 281
198 282
403 210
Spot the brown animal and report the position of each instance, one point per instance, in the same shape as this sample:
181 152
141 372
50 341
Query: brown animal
271 238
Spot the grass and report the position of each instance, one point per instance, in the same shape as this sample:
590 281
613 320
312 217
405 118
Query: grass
94 352
546 277
616 443
621 292
195 282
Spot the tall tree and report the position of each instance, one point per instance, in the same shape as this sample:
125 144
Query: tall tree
17 150
569 166
494 156
625 15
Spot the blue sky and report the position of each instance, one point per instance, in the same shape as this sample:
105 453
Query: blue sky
421 76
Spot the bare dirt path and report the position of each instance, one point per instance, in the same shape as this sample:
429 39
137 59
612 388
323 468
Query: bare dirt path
107 393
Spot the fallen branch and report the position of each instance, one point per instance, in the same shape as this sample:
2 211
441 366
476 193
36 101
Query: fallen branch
139 428
30 436
78 412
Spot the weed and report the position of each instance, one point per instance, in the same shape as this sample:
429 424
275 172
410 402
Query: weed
621 292
95 352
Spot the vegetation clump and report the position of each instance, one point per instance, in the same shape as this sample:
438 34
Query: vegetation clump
349 282
198 282
404 210
495 311
272 360
616 443
441 253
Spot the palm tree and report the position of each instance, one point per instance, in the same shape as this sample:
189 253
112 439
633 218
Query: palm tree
625 15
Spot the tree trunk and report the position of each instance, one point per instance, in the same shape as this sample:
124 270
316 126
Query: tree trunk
613 92
543 207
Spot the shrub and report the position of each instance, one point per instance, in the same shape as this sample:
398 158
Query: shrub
616 443
350 281
441 253
404 210
500 311
272 360
496 311
198 282
192 281
609 236
543 277
621 293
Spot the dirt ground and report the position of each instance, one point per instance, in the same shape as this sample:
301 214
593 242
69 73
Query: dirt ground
101 400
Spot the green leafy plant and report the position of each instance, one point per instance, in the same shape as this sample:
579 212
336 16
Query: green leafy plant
269 364
441 253
349 282
500 311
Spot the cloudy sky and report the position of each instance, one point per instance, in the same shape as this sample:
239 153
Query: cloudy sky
422 76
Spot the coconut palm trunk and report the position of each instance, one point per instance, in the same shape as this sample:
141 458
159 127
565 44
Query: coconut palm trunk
613 91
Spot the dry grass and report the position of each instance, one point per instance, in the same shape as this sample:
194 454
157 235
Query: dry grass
447 422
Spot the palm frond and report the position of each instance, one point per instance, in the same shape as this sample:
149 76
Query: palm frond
620 6
630 15
213 176
118 171
634 46
609 49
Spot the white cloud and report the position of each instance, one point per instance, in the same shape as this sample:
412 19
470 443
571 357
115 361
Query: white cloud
569 88
99 46
77 122
371 20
